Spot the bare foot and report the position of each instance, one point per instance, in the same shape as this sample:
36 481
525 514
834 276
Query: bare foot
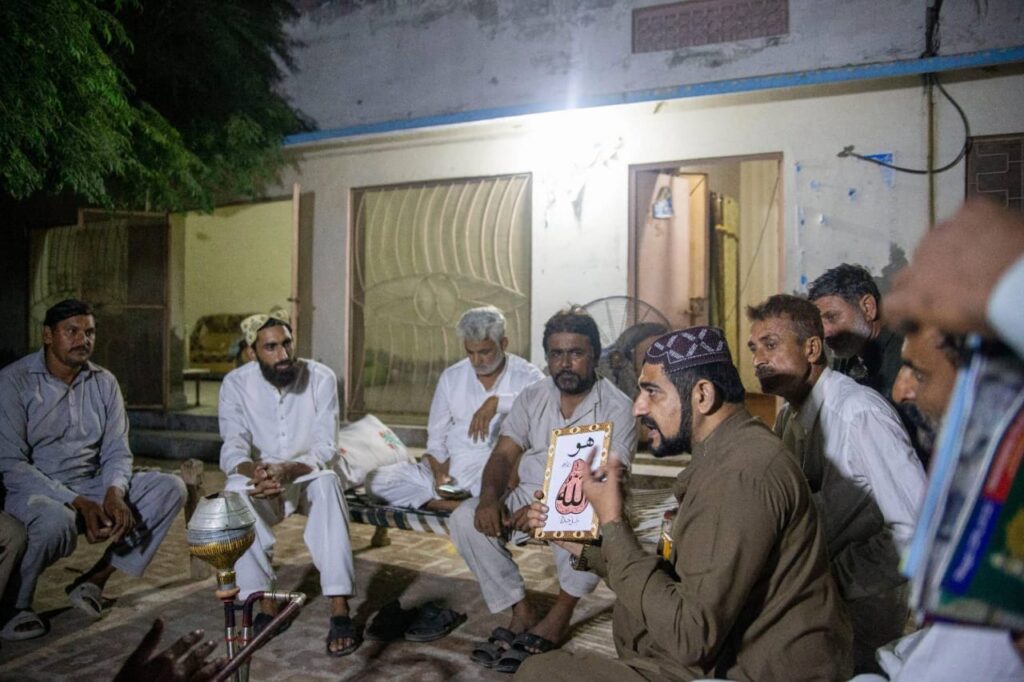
554 626
523 617
339 607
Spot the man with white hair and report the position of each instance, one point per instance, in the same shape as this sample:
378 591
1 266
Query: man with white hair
470 402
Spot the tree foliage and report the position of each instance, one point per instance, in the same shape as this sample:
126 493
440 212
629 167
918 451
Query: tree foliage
160 104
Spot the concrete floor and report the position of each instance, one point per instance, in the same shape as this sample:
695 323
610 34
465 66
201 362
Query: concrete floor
415 567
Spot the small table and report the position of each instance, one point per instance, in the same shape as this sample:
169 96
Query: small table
199 375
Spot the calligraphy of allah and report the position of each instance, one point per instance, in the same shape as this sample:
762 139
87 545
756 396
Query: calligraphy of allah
570 498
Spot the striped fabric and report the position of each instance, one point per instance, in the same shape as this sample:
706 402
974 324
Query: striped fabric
647 508
362 510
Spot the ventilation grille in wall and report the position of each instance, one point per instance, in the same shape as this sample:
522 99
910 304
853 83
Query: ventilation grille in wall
706 22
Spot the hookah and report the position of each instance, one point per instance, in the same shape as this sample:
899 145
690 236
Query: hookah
219 532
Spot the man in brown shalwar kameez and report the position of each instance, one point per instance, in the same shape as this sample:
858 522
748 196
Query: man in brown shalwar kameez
746 592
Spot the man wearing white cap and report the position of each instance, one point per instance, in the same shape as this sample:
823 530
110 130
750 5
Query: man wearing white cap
279 423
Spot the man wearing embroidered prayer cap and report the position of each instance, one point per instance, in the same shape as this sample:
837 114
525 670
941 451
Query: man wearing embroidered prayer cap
279 423
743 590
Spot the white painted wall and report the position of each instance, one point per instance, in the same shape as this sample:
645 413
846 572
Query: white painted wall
236 260
807 126
368 62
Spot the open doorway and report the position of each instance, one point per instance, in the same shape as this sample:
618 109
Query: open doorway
705 242
226 265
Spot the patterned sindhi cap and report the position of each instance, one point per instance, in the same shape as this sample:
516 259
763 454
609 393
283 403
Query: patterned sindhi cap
252 325
692 347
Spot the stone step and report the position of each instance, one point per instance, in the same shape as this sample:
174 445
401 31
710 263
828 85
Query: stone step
176 445
192 421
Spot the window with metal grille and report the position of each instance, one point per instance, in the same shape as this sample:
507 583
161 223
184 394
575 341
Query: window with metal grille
422 254
995 169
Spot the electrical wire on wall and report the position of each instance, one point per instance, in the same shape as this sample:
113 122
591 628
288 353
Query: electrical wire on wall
931 80
964 148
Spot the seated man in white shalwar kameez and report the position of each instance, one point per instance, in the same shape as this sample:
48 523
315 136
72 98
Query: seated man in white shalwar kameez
470 402
279 422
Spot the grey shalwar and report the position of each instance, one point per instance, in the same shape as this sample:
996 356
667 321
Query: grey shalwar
58 442
535 413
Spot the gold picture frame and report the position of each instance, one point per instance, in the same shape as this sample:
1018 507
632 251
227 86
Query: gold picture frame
572 518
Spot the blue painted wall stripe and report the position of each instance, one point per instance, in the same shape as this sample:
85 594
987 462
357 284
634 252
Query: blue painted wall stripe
894 69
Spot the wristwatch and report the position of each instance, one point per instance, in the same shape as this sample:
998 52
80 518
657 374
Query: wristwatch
580 562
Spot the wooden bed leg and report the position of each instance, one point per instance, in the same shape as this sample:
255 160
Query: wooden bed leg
380 537
192 474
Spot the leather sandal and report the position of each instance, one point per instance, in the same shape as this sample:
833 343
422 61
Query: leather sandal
342 627
490 652
434 622
526 644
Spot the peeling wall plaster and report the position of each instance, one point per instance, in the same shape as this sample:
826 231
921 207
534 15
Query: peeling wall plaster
369 61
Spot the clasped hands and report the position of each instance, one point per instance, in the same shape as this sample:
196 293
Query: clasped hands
111 520
269 480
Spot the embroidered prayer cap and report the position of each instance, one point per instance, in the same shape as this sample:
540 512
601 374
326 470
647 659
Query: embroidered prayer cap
691 347
252 325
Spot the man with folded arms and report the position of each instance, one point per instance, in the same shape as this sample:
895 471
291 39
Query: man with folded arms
745 592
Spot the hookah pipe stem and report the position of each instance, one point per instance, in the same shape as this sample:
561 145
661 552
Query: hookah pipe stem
295 602
229 627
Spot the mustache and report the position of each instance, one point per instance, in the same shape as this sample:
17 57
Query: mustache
284 364
567 373
649 423
82 348
763 372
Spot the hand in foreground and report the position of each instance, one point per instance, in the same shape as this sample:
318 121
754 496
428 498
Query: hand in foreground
181 661
480 426
604 488
490 518
955 268
537 516
521 520
118 511
97 524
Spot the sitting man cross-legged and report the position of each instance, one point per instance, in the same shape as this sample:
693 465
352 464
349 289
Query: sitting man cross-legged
67 468
849 441
745 592
471 400
279 422
574 395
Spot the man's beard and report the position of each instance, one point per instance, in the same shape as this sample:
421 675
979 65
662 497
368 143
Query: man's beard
281 374
569 382
491 368
777 383
771 382
677 444
849 342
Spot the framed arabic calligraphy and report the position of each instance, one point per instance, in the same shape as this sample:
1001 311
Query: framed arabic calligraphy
570 514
